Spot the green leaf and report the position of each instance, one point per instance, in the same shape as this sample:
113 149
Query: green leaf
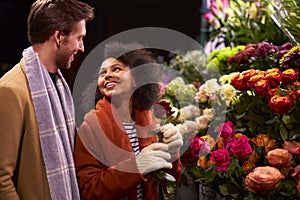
223 189
283 132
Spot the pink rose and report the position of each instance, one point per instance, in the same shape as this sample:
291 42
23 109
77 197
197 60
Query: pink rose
241 148
226 129
199 146
263 178
292 146
221 158
229 142
279 158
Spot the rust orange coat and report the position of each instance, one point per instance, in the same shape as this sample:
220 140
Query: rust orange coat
106 172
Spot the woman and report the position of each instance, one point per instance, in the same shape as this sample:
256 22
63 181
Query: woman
116 157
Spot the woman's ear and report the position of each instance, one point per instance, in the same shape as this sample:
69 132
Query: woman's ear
134 85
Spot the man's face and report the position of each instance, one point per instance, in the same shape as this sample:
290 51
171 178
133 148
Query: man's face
71 44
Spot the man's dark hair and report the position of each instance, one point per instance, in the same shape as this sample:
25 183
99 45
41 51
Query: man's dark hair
47 16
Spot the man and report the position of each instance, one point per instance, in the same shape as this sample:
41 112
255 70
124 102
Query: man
37 123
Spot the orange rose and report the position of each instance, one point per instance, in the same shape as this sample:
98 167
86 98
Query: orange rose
202 162
253 158
210 163
247 166
272 144
262 140
292 146
263 178
259 140
220 143
279 158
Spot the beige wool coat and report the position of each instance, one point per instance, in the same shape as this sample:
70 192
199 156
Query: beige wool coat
22 170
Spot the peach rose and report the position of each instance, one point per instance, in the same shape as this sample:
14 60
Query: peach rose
292 146
296 174
263 178
279 158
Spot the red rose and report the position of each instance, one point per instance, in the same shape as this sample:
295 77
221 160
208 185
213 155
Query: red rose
289 76
280 104
272 92
238 82
187 158
254 79
162 108
262 87
221 158
297 85
249 73
274 77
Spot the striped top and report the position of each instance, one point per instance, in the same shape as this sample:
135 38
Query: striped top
132 135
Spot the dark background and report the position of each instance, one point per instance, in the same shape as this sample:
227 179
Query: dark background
112 17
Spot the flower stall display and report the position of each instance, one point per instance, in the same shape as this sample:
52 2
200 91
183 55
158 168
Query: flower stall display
240 117
239 22
256 155
242 130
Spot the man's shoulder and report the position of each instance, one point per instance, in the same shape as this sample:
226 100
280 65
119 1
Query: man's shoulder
14 78
14 82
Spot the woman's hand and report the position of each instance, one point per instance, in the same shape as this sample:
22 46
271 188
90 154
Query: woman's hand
172 137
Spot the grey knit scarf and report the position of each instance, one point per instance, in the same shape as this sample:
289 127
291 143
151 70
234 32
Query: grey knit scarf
55 116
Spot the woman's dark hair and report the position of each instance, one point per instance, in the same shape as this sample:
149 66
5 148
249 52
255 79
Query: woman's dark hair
46 16
147 80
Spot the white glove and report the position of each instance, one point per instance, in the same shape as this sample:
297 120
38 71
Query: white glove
153 157
172 137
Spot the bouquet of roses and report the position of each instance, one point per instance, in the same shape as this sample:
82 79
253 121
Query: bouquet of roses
239 167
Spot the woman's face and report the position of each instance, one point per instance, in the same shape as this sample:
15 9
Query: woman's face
115 80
